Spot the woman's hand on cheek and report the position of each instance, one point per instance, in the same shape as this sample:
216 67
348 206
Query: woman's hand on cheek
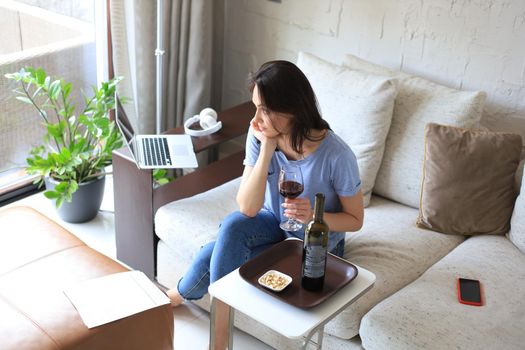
256 130
299 209
259 135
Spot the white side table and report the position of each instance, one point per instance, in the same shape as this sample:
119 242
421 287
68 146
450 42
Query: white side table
290 321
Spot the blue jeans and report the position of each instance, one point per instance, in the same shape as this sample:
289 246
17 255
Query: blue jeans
239 239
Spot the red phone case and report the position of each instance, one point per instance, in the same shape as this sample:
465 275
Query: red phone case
467 302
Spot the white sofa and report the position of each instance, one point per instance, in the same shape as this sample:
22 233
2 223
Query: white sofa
413 304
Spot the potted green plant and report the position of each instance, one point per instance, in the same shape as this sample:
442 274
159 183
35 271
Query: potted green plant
76 147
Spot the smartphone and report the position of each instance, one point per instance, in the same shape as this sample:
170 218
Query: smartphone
469 292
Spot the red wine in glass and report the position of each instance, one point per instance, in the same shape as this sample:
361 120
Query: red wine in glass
291 186
290 189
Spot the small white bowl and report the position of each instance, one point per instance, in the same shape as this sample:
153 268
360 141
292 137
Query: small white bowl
275 280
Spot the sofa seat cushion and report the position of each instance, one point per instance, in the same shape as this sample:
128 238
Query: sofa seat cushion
418 102
187 224
427 315
397 256
395 250
32 243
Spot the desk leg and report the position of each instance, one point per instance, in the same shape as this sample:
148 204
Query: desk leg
221 325
213 154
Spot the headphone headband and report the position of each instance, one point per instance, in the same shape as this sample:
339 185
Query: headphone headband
197 119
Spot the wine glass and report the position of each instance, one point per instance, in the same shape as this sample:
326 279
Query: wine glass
291 186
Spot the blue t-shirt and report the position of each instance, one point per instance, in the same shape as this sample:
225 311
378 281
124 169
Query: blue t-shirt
332 170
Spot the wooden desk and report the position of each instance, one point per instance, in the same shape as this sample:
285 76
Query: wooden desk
136 201
235 122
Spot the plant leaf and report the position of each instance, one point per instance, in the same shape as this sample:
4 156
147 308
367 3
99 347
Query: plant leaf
51 194
40 75
54 89
24 99
59 202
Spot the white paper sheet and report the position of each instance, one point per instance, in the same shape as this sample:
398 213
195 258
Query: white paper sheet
112 297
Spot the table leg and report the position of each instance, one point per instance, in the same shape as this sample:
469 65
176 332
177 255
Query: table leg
320 335
308 339
221 325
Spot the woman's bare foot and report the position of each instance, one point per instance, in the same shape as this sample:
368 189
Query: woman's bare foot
175 297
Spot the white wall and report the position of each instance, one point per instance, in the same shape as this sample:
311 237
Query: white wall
465 44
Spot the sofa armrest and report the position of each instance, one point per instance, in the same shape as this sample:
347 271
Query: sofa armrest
136 201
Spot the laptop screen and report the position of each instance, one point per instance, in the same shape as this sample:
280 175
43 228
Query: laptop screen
124 125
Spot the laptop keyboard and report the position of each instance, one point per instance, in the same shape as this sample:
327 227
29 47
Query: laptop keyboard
156 151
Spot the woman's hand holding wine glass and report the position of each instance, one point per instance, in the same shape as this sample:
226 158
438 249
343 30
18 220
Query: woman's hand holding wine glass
299 208
291 186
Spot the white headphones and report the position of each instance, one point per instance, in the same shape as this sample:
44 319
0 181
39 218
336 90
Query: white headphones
207 119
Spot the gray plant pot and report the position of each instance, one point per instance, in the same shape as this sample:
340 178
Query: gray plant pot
85 203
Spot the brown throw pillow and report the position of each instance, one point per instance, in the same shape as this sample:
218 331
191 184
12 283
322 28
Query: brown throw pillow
468 180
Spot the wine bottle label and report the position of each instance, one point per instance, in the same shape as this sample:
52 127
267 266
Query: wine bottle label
315 259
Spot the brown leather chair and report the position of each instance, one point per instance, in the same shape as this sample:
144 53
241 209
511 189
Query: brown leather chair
38 260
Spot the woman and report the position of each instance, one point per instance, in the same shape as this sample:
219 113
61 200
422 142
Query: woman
287 128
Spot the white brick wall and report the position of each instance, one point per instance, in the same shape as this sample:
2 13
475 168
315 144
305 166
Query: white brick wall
466 44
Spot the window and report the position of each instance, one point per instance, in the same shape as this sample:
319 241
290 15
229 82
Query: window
58 36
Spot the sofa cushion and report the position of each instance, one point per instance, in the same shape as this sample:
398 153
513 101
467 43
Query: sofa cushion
187 224
468 180
395 250
427 315
418 102
517 222
358 107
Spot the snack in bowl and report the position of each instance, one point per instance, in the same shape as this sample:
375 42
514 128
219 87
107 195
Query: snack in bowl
275 280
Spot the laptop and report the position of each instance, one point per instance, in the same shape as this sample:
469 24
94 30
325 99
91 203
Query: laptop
155 151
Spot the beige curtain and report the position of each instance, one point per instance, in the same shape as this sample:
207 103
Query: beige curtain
188 32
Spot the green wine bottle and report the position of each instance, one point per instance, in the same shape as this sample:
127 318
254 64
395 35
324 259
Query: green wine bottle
315 249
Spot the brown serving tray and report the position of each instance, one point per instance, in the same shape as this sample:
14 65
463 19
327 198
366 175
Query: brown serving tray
286 257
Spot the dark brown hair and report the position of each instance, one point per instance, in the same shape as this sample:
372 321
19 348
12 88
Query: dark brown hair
284 88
